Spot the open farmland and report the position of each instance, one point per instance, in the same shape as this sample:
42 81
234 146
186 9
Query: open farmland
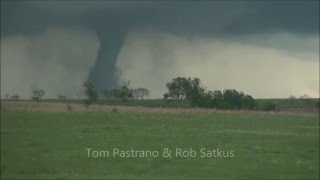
41 144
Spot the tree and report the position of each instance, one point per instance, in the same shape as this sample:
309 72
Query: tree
217 95
306 99
205 100
269 106
292 98
193 88
15 97
125 92
233 98
217 98
305 96
140 93
177 88
90 92
61 97
182 88
165 96
112 94
37 94
248 102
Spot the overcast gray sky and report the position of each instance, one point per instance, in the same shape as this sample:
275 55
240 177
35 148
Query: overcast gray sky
264 48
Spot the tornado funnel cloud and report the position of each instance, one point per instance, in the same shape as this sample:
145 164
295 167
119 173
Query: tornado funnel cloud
103 74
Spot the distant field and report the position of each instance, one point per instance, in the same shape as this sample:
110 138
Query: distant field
52 145
283 104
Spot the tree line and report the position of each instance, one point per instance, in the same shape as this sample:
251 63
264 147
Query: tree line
191 89
123 93
182 88
178 89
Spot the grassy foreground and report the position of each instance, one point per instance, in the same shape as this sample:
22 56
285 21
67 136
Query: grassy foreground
53 145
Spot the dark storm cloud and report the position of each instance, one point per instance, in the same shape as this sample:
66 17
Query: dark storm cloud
112 20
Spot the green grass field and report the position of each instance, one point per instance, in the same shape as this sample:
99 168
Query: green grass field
53 145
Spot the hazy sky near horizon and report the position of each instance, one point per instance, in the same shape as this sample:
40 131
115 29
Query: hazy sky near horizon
264 48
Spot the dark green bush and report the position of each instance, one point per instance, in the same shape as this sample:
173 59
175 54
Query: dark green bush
269 106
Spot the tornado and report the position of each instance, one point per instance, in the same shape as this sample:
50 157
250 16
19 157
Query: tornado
103 74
